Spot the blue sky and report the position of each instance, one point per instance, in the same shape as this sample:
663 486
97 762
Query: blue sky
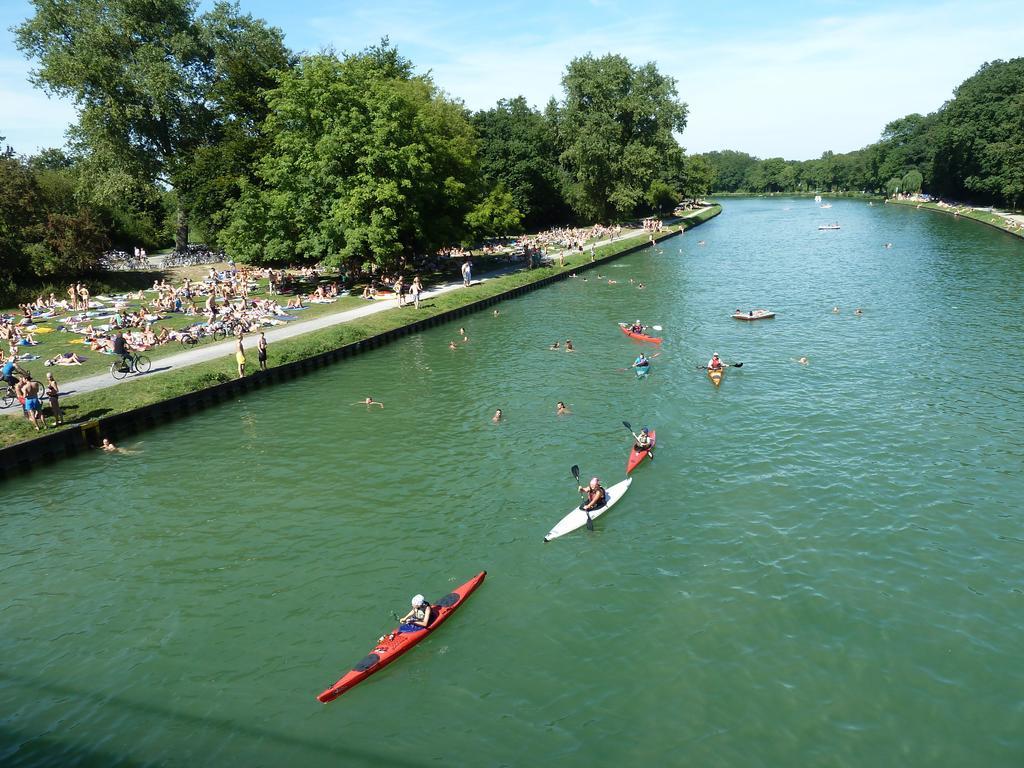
774 79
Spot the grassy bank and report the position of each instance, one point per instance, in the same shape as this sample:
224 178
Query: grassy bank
134 393
985 217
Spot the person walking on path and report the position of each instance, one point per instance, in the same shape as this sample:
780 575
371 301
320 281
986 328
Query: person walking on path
467 273
416 288
240 356
261 351
399 287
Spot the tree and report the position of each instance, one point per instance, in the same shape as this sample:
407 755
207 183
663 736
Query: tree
154 85
495 215
367 162
981 139
699 177
615 130
911 181
517 150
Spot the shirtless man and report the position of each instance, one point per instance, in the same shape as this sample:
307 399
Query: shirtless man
32 406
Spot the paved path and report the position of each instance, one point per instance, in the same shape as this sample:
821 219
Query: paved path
226 349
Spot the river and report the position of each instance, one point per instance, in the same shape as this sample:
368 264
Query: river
824 565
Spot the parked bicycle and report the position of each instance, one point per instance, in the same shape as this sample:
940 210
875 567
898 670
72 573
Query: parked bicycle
119 369
8 398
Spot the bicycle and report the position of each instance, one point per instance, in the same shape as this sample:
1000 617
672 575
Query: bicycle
8 398
119 369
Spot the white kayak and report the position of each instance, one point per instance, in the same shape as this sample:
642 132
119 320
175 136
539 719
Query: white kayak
578 518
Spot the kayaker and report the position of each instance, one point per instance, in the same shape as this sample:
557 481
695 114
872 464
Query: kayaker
715 364
596 497
419 617
637 327
641 361
643 440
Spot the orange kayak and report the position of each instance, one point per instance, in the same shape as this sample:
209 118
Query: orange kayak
395 643
639 336
636 457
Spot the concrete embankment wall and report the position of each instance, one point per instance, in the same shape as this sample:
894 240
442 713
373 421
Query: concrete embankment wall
50 447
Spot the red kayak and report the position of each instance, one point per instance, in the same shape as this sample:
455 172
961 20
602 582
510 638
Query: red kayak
638 336
635 456
394 644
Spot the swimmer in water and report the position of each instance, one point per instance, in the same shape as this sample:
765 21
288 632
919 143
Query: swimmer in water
369 401
497 416
639 285
496 313
858 311
561 409
568 346
555 346
451 345
803 361
108 446
835 310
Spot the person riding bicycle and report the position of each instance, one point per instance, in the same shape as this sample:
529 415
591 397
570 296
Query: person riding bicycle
120 347
9 371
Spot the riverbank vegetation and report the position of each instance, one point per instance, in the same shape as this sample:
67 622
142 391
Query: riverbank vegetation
970 149
206 127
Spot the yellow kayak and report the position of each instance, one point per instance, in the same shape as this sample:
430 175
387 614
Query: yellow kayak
716 376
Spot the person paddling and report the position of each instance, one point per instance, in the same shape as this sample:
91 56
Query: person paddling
643 440
637 327
715 363
641 363
418 618
595 495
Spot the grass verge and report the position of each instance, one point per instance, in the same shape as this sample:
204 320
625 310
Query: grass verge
985 217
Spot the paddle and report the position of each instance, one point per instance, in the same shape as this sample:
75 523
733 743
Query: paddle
724 365
657 327
576 473
634 366
627 425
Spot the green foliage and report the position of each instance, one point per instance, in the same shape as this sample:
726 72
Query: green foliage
517 150
614 130
662 197
367 163
155 85
495 215
911 181
980 152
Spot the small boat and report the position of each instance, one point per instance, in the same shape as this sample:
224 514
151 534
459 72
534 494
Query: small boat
636 457
823 227
826 205
754 314
395 643
642 371
578 518
638 336
716 376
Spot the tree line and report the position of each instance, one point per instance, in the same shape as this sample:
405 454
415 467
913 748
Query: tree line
206 124
971 149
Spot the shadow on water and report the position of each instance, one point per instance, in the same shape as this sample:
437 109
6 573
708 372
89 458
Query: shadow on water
18 751
22 750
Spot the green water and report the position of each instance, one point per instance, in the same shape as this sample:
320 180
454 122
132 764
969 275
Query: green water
823 565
